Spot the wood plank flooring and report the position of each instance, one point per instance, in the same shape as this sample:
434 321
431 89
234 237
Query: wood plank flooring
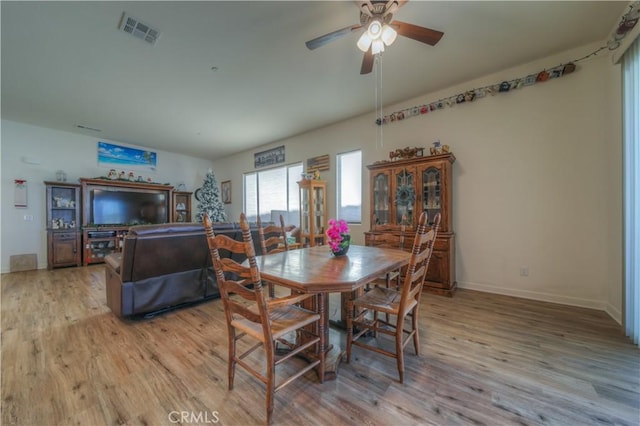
485 360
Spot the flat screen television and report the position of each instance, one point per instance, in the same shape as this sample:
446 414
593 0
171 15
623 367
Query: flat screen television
127 207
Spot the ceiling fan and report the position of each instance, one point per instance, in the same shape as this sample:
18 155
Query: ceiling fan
376 19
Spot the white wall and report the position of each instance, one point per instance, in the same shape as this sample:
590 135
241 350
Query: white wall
613 219
76 154
536 181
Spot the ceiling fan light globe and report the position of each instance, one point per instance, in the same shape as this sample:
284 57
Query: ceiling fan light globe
388 35
364 42
377 46
375 29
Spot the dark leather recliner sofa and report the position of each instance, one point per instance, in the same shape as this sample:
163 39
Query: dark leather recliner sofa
164 266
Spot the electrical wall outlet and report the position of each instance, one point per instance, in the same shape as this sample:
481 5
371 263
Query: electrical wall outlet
28 218
524 271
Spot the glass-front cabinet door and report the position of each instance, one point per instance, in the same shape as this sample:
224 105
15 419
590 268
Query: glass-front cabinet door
431 192
63 206
404 180
318 209
181 206
305 210
313 212
381 183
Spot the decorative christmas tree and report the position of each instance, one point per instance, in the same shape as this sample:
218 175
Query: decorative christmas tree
209 200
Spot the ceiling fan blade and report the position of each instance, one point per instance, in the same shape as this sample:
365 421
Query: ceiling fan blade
367 62
421 34
327 38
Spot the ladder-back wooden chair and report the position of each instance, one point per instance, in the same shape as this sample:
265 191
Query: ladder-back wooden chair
385 236
401 302
273 239
250 315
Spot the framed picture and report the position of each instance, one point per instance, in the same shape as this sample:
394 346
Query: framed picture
320 163
110 155
225 187
269 157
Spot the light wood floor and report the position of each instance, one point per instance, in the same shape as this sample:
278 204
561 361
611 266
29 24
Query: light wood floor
485 359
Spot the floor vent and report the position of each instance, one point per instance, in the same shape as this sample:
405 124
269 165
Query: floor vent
23 262
138 29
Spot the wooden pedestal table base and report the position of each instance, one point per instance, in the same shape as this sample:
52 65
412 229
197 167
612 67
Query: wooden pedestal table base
316 270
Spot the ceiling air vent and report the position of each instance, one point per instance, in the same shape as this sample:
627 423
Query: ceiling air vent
93 129
138 29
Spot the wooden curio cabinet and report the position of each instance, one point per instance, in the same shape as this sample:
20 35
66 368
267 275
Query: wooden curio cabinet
181 205
400 191
313 212
63 224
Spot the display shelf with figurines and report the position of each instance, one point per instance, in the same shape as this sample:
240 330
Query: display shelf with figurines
181 202
130 176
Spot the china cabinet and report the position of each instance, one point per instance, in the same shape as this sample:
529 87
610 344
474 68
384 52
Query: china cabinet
400 191
181 204
63 224
313 208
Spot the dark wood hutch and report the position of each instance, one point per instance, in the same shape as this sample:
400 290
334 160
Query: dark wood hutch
63 224
400 191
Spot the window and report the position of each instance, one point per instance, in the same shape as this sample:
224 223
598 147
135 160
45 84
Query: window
273 192
350 186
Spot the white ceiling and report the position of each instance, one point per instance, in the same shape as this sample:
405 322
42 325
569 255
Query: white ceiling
66 63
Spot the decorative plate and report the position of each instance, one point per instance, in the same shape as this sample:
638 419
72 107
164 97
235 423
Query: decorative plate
405 195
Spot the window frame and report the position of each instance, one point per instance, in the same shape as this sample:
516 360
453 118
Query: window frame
256 173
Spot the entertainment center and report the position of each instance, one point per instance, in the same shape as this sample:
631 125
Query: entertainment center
109 207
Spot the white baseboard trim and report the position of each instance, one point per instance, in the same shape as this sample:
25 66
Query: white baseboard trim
543 297
40 266
7 269
613 313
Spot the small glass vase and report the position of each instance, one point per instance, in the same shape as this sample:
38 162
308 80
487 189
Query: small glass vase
344 246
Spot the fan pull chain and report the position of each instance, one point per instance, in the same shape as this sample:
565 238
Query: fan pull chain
378 99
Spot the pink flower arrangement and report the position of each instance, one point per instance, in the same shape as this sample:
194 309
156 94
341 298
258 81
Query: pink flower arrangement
336 232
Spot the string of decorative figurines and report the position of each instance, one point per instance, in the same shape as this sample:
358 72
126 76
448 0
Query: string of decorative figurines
122 175
627 22
314 175
59 223
436 148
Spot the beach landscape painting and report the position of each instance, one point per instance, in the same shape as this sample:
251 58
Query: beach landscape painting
116 156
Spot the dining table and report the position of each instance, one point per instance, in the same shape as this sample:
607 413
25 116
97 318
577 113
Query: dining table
317 271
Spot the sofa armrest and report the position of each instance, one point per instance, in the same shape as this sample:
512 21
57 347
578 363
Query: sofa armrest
113 283
114 260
